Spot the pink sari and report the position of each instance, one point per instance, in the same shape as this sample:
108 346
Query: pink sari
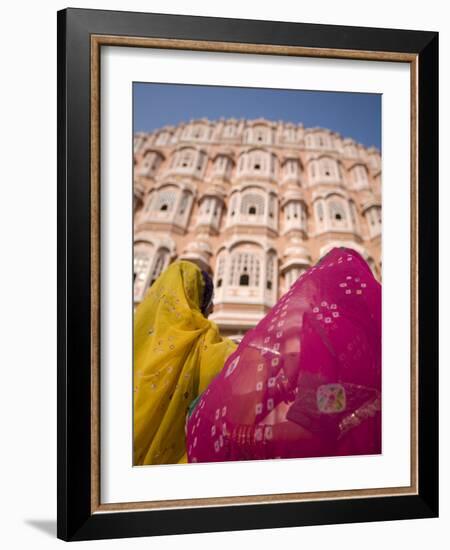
306 381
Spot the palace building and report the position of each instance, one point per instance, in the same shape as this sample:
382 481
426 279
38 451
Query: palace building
253 202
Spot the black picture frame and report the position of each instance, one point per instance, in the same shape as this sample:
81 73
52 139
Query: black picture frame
76 518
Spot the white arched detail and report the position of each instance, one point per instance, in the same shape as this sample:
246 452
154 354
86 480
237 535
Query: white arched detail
240 275
289 134
359 177
291 171
163 138
222 167
169 204
253 206
349 149
143 256
271 278
197 131
373 216
149 164
294 216
219 278
258 134
333 213
319 211
324 170
188 161
210 212
148 263
257 163
245 269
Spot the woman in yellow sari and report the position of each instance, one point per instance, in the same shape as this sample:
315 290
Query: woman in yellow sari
177 352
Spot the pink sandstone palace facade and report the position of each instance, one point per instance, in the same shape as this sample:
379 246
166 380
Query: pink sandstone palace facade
255 203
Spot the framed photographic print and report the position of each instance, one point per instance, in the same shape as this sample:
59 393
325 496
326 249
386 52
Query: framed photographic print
247 274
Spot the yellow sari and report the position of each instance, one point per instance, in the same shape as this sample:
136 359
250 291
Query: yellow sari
177 352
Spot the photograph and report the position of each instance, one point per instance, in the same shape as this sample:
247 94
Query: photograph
247 274
257 273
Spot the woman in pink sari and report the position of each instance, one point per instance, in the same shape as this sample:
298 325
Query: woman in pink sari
306 381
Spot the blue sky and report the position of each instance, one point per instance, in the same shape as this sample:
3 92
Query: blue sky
353 115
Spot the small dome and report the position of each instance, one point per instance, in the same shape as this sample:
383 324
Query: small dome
213 191
292 195
198 247
297 252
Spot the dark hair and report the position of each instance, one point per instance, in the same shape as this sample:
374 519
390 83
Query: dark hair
207 292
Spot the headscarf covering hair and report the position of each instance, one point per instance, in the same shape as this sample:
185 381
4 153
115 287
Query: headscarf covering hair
177 353
207 292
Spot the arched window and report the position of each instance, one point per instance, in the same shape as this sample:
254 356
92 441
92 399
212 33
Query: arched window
373 215
164 201
244 269
150 164
328 168
270 271
229 130
252 204
354 215
183 203
289 134
141 265
337 211
319 211
233 205
359 174
186 159
159 265
272 206
162 139
220 269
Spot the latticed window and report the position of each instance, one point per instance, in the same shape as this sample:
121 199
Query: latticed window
233 205
185 159
165 201
319 211
253 204
245 269
220 271
229 130
353 213
198 132
159 265
272 206
289 134
141 266
359 174
184 203
270 271
162 138
260 136
374 161
337 211
149 164
328 168
374 214
350 151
